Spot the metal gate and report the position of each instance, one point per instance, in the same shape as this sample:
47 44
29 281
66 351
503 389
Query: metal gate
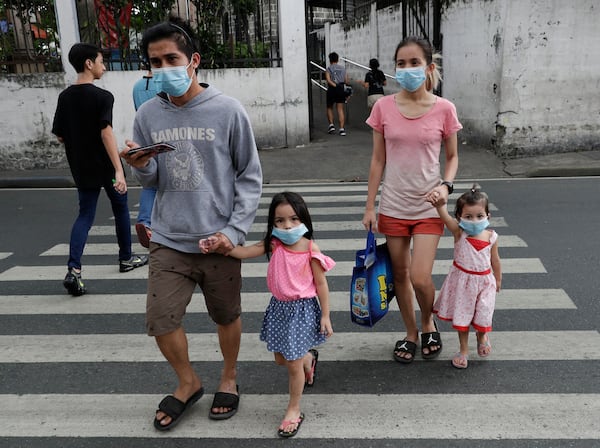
419 18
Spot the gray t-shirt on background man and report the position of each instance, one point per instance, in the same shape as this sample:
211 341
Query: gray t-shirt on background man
337 73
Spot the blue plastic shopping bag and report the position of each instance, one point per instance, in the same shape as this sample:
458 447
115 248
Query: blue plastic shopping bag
372 286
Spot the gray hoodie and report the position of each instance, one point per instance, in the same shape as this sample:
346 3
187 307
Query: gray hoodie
212 182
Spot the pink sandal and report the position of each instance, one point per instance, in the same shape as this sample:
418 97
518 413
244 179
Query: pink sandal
460 361
484 349
297 421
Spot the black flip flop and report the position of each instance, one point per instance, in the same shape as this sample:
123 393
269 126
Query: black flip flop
175 408
404 346
225 400
429 340
313 367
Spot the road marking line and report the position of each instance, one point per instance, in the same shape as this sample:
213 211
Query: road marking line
249 270
252 302
343 416
352 346
446 242
319 226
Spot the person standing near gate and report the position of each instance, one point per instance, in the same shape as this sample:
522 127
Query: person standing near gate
336 92
374 82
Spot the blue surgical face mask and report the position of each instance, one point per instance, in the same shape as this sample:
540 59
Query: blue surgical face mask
174 81
474 227
291 236
411 79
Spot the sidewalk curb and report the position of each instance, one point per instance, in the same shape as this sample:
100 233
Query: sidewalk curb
37 182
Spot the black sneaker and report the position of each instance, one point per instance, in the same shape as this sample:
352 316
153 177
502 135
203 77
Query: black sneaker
135 261
73 283
331 129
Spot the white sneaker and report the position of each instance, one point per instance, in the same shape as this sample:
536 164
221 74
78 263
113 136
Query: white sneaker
331 129
342 131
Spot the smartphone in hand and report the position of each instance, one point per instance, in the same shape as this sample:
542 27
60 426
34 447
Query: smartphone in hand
156 148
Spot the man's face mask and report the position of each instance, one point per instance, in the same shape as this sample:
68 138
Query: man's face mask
174 81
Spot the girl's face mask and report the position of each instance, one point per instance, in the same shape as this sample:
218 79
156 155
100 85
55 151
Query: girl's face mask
474 227
290 236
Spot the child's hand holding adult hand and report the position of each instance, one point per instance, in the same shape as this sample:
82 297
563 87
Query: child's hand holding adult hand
218 243
438 197
206 244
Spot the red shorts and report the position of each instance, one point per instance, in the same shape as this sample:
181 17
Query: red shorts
408 227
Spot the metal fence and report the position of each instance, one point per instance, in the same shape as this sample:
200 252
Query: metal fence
28 37
229 33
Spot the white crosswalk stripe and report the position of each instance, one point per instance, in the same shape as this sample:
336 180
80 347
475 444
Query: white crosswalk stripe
255 302
249 270
330 415
319 226
357 346
512 416
325 245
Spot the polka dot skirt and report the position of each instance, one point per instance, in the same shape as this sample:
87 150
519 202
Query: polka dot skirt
292 327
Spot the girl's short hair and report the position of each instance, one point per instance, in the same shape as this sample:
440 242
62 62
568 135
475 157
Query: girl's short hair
472 197
299 207
431 57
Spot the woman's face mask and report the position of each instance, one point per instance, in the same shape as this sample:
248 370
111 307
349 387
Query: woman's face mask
174 81
411 79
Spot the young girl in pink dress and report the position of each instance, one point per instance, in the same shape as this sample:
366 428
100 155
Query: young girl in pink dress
468 294
297 317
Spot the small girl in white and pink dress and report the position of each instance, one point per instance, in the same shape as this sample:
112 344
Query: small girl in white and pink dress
468 295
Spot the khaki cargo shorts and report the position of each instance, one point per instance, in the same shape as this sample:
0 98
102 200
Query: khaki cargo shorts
172 278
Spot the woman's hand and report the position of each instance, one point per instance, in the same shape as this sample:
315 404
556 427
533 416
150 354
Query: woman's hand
370 220
438 197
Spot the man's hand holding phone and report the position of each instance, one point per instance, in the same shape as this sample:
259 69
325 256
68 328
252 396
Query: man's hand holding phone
139 156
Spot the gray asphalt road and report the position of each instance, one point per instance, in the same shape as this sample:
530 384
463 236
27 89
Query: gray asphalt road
81 372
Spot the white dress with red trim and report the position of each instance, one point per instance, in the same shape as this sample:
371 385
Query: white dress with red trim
468 295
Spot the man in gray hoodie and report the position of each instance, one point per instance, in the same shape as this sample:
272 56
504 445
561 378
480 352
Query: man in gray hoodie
209 186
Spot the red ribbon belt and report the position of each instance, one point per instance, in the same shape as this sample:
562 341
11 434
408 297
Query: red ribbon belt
486 272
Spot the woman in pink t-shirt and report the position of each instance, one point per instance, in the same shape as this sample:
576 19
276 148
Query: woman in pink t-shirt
408 131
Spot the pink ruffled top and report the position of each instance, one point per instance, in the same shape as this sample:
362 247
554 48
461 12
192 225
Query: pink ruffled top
289 275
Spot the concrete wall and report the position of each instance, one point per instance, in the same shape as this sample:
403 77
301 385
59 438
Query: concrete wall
29 102
523 75
535 71
276 99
